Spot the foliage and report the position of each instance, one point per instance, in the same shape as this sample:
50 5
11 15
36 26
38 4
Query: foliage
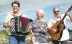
3 37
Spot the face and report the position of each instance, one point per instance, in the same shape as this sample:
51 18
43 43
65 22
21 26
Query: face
15 8
56 11
39 15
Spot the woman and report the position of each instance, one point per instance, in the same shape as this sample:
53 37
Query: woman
15 38
39 28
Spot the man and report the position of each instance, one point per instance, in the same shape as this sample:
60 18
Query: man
57 17
15 38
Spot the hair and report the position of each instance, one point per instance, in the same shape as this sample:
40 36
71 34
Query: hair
15 2
41 11
56 8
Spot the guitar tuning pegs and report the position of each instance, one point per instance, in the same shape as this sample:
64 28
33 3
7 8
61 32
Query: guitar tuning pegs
70 8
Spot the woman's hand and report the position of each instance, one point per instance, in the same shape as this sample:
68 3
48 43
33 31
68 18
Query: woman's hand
8 25
42 28
30 27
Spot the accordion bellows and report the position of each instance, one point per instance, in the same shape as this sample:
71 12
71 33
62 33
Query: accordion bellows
21 24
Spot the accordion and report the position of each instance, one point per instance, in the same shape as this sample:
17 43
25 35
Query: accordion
20 25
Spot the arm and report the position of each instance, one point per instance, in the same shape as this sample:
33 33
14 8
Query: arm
69 16
31 27
44 27
7 23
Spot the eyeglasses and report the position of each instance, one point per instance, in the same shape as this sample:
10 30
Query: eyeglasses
56 11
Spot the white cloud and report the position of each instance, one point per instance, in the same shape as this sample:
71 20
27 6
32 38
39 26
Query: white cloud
29 5
65 7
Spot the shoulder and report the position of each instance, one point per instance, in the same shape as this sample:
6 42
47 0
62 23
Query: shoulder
52 19
34 21
23 15
62 15
8 17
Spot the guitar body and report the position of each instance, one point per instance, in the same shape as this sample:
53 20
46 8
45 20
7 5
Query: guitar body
59 27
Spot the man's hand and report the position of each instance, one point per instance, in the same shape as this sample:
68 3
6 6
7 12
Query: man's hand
68 14
52 30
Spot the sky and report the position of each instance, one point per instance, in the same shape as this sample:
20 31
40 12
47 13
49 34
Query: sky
29 8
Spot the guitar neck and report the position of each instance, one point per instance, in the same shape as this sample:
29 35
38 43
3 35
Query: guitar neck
70 8
64 16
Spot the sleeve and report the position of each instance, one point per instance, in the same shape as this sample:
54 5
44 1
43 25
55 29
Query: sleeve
30 25
7 20
46 27
67 17
50 23
30 20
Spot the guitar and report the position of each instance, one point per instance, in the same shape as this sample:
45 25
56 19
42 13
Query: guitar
59 27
